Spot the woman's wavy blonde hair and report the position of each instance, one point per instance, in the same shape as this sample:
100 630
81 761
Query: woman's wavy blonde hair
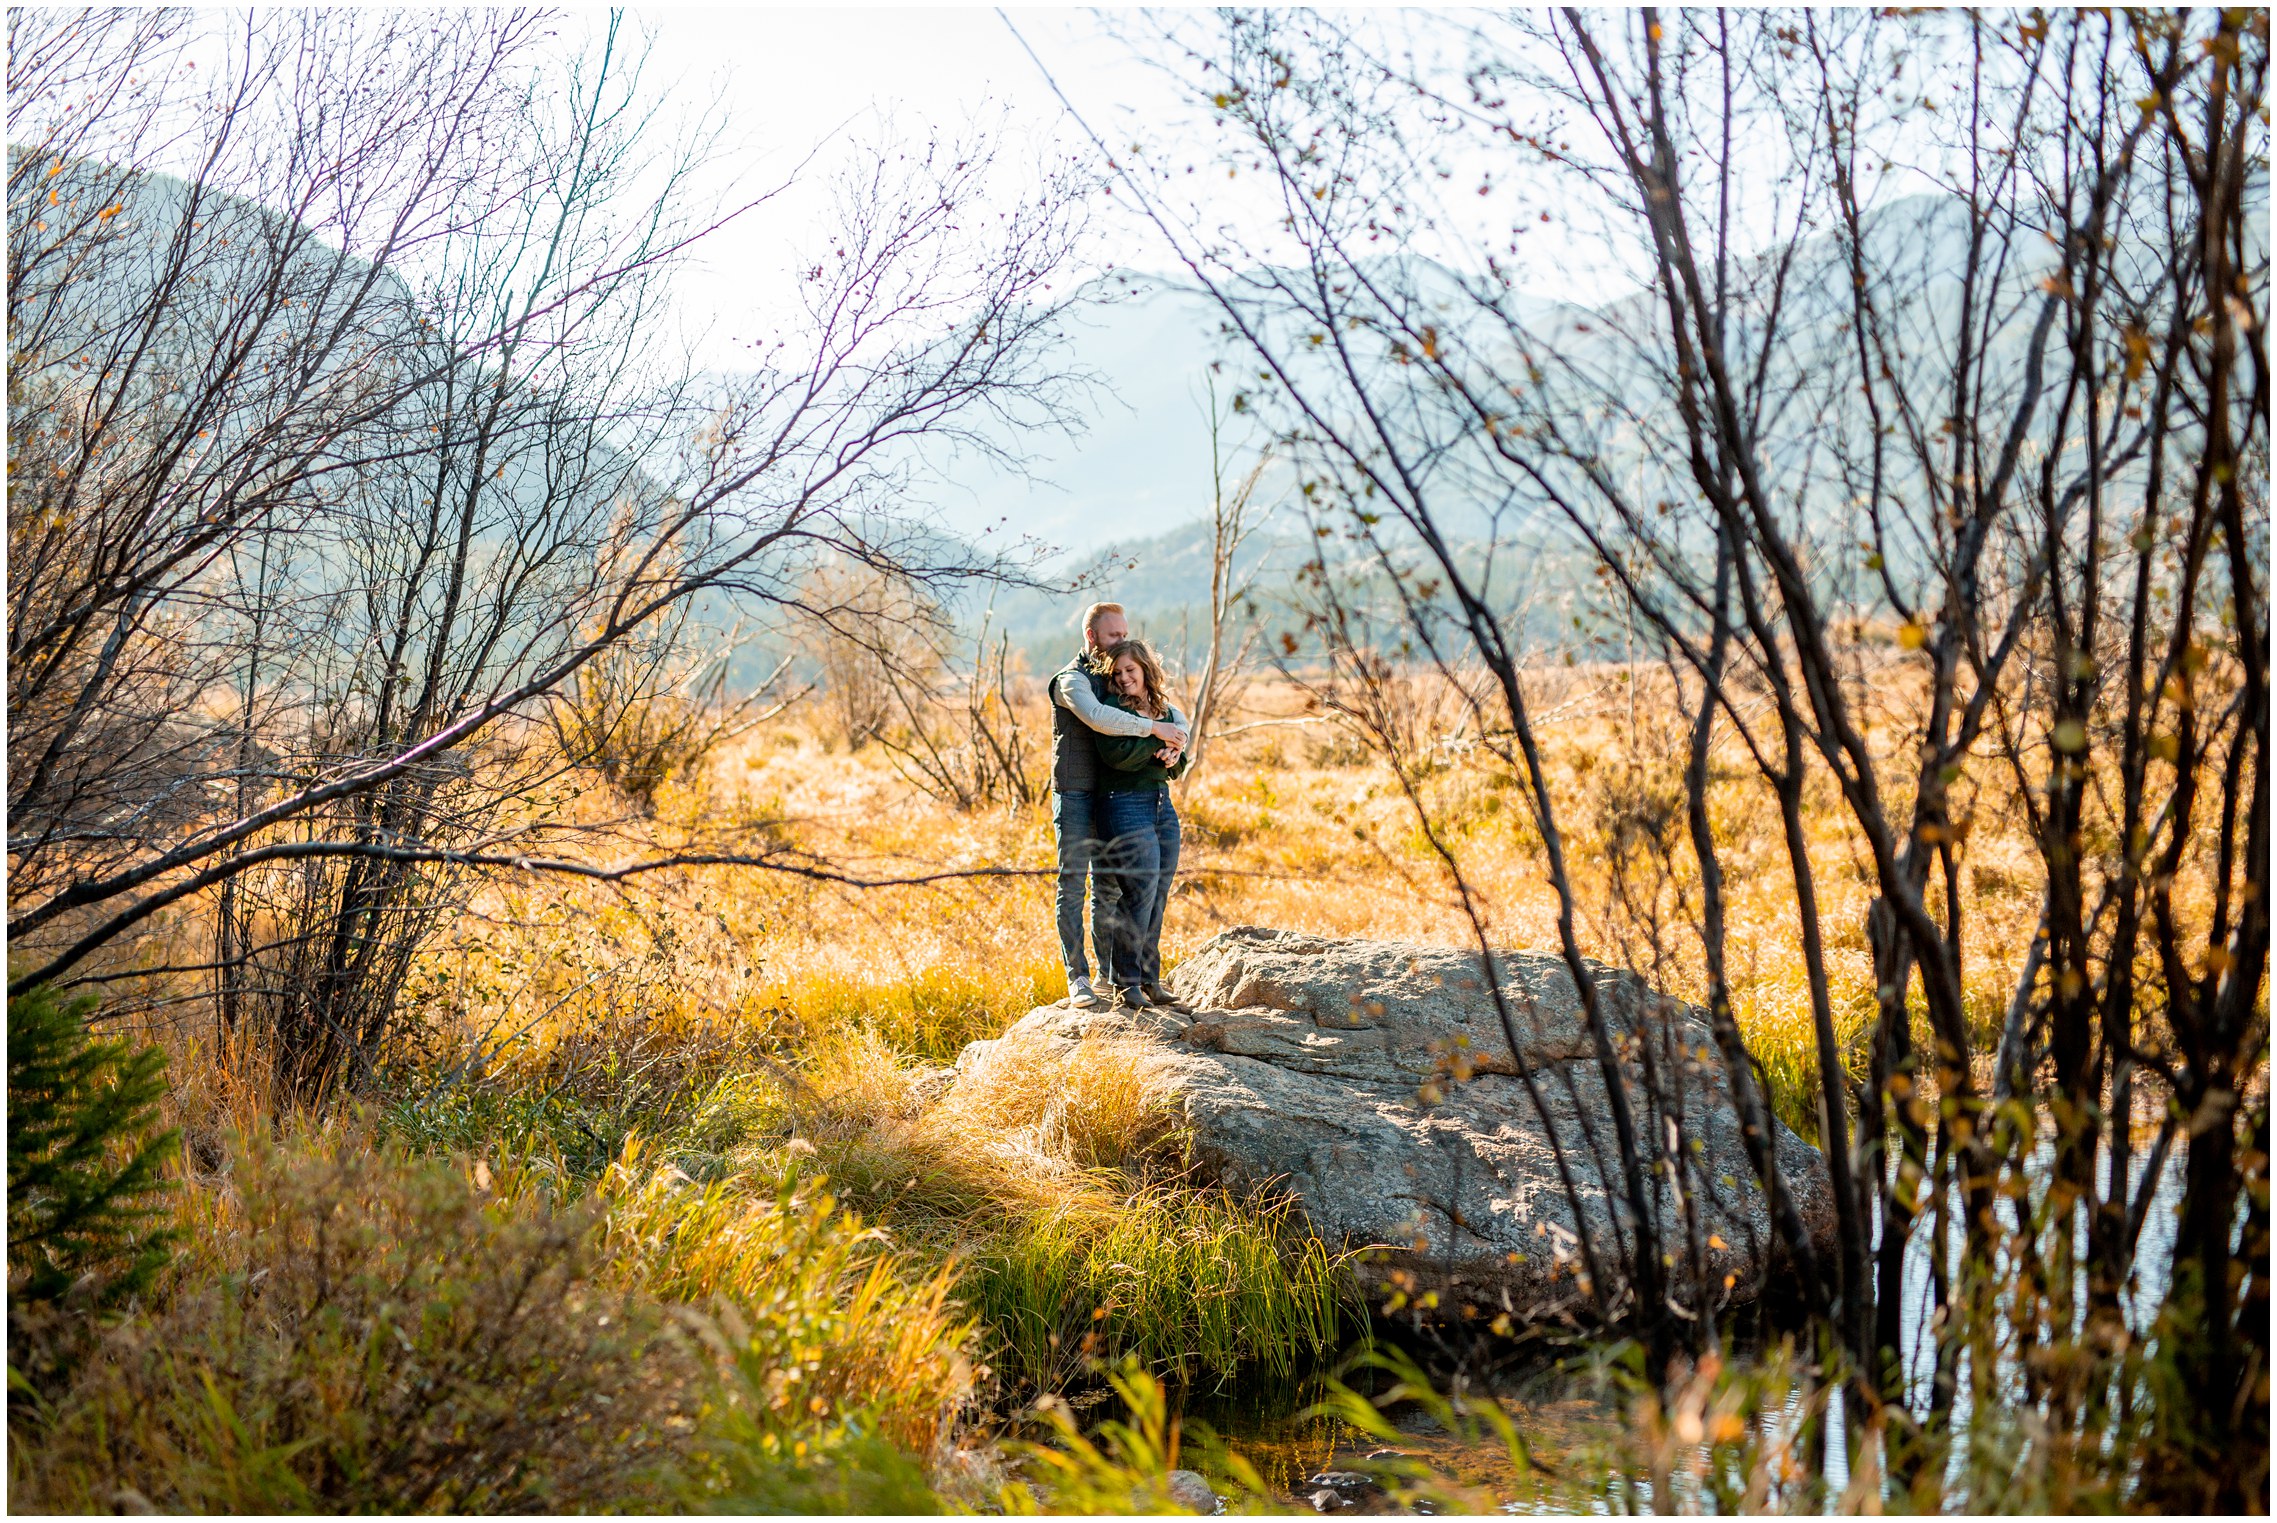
1157 700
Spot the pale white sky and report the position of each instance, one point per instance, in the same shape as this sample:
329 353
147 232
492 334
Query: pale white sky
794 78
805 88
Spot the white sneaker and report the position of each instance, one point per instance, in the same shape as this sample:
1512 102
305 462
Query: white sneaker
1082 996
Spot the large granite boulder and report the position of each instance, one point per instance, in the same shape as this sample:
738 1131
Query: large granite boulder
1373 1082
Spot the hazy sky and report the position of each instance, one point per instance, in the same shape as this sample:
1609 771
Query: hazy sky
802 93
845 76
795 78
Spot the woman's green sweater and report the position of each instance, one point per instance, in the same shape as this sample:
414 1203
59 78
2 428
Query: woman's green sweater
1127 761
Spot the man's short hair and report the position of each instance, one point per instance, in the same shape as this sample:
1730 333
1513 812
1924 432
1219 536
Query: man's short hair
1091 616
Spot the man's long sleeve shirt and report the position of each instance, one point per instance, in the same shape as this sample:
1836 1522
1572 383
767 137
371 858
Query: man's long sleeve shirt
1071 690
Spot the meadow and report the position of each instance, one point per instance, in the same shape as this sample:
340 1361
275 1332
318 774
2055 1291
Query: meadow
479 1039
676 1164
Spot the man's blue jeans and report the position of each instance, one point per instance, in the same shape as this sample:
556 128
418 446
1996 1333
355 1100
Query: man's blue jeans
1075 828
1139 860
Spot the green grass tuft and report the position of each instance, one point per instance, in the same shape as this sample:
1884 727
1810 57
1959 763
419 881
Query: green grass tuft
1191 1283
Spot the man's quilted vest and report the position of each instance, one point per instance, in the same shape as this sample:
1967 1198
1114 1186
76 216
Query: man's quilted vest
1075 755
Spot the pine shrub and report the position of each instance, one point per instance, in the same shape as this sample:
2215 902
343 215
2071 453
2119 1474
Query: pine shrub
89 1218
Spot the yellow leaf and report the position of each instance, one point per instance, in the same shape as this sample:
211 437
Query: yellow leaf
2138 351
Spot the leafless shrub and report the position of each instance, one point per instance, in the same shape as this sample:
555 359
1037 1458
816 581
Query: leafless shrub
642 721
1431 716
1235 518
968 744
869 635
1976 369
340 451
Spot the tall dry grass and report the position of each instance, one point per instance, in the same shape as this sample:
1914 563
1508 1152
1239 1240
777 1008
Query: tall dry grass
354 1331
755 1025
1293 824
359 1326
719 1101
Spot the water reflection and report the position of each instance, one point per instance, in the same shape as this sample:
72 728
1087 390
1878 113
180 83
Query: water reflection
1565 1406
1565 1411
2139 1299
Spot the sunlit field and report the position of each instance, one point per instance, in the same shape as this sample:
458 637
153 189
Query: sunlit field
1291 823
735 1082
535 543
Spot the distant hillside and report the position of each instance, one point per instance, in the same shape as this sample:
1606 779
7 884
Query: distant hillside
1141 466
1125 502
1142 463
1164 582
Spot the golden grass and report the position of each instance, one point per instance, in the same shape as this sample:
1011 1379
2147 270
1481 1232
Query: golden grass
355 1326
824 1319
762 1027
1057 1183
753 1027
742 1072
354 1330
1291 825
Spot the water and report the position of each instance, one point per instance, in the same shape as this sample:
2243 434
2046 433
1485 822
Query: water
1563 1416
1570 1417
2139 1299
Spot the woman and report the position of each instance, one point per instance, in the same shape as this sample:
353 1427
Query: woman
1135 817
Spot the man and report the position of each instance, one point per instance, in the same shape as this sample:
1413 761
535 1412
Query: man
1079 707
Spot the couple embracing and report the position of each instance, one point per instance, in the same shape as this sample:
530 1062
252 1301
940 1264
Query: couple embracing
1117 743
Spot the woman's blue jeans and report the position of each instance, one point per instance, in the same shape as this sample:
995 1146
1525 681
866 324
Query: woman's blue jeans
1140 858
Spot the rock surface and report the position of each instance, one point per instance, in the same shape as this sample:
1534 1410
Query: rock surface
1189 1490
1374 1083
1348 1485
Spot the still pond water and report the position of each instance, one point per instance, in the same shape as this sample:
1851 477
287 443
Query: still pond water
1567 1409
